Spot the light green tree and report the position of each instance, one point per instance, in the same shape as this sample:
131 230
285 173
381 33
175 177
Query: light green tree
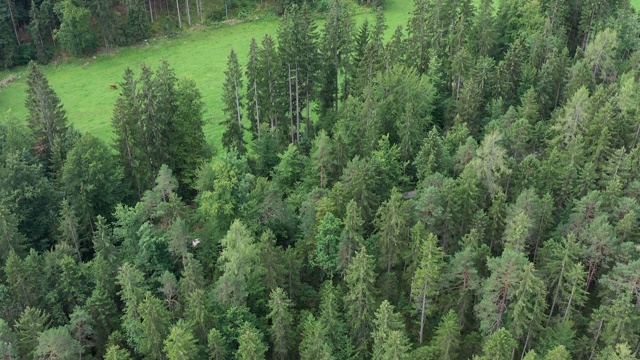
424 286
180 344
281 322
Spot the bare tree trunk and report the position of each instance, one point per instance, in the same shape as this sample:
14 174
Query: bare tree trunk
555 295
308 122
635 141
297 106
238 110
526 344
179 19
274 118
290 106
186 3
424 305
151 10
226 9
595 341
255 94
13 21
566 311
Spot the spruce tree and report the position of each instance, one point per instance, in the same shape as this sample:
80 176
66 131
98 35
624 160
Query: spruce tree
424 286
47 118
281 322
269 89
251 346
314 344
359 299
180 344
336 46
447 338
253 99
233 99
389 338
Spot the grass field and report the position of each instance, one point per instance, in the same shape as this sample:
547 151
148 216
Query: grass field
83 84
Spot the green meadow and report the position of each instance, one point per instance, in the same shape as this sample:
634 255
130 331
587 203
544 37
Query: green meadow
83 84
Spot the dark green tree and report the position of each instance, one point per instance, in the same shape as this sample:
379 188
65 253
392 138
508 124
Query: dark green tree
233 99
92 180
75 34
47 119
137 26
360 298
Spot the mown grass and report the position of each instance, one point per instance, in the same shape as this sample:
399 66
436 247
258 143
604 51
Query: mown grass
83 84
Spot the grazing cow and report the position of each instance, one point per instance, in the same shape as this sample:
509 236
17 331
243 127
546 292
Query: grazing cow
113 86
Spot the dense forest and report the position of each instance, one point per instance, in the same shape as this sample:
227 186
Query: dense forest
468 188
43 29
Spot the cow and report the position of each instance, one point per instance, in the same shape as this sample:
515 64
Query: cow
114 87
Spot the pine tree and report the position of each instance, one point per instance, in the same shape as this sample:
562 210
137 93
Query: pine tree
498 291
424 286
233 100
562 271
57 343
47 119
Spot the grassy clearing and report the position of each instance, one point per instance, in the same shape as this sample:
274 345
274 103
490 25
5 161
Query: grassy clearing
83 84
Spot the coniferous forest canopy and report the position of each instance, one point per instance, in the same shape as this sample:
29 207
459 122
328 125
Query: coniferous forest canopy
468 188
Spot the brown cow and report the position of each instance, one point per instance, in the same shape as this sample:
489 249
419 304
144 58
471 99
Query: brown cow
113 86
